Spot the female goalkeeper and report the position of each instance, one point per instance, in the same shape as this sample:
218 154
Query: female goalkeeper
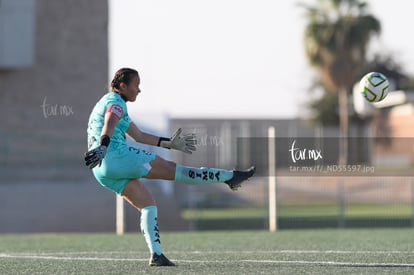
118 166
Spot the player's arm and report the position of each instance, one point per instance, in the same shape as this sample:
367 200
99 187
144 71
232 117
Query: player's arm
185 143
136 134
110 122
95 156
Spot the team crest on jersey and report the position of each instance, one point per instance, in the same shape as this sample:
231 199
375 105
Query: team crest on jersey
116 109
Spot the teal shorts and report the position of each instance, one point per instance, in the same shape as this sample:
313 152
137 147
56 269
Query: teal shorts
122 163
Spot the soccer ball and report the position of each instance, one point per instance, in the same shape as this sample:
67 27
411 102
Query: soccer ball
374 86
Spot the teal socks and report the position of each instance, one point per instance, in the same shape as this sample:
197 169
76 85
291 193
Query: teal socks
191 175
149 227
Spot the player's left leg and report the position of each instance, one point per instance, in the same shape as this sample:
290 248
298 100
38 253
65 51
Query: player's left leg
161 169
140 197
168 170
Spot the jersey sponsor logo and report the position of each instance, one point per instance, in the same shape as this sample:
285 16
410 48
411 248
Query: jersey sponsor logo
116 109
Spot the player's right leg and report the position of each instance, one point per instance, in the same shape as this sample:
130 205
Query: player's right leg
140 197
168 170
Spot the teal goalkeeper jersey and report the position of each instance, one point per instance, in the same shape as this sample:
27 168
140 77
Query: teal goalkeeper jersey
111 102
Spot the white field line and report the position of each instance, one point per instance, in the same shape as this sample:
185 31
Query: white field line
217 252
296 252
333 263
325 263
40 257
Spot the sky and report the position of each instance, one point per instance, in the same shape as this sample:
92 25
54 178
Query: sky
229 58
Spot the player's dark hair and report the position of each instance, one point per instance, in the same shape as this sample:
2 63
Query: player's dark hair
124 75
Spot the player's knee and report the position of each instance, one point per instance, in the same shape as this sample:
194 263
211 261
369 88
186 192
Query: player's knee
166 164
169 169
171 165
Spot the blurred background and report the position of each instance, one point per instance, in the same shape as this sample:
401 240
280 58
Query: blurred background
226 70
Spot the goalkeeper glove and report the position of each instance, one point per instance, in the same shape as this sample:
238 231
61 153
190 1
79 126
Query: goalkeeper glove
185 143
95 156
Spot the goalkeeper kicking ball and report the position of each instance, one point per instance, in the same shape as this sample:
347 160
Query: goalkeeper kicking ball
374 86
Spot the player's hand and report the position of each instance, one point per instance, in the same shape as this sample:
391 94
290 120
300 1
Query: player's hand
95 156
185 143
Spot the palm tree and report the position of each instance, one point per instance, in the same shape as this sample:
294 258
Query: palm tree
336 41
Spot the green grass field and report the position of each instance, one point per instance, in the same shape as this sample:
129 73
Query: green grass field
303 216
351 251
352 211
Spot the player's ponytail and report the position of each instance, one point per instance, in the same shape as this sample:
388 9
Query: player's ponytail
124 75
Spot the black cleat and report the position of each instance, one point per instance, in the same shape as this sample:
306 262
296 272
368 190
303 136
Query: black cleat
239 176
160 260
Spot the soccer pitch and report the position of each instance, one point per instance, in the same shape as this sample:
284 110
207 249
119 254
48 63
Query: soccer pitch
362 251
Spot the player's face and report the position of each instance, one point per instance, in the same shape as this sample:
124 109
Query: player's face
132 90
